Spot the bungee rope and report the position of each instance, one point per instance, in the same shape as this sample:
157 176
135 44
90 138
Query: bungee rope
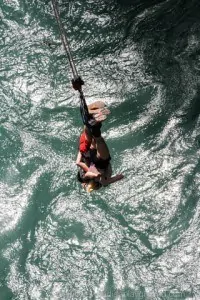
77 82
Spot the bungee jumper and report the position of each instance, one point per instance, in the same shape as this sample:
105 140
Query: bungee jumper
94 161
93 158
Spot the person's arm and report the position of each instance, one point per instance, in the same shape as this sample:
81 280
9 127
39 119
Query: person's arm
81 164
92 172
112 179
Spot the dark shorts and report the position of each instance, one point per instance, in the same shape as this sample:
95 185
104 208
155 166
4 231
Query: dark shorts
99 162
102 163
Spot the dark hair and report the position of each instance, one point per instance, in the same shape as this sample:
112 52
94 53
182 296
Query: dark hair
81 178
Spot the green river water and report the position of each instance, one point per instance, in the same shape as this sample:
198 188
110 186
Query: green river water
137 239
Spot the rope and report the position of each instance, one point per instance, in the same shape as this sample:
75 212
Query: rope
77 82
64 40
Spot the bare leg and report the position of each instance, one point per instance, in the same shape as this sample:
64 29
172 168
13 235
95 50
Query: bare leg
102 148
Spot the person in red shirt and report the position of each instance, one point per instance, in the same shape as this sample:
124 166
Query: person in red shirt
93 157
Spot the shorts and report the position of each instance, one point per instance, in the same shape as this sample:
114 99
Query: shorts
102 163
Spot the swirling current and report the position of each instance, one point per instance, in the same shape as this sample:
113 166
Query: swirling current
137 239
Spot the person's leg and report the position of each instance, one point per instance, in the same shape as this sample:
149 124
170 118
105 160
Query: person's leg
102 148
105 175
98 111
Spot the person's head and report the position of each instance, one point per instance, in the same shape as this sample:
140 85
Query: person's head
88 184
81 177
